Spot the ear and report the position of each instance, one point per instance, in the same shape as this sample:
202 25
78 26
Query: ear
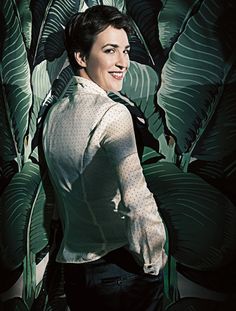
81 60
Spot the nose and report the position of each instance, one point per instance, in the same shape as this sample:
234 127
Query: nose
122 61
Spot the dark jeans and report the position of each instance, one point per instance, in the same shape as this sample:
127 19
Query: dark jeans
112 283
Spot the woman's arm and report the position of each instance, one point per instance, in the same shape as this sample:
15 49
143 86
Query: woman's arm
145 230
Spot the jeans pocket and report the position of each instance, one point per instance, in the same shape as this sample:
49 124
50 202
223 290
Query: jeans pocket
111 280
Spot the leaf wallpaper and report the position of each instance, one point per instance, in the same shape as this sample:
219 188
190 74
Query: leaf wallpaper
181 92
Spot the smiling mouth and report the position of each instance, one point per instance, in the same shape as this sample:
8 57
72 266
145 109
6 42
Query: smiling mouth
117 75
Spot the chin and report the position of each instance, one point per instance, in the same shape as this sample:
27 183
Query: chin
115 87
118 88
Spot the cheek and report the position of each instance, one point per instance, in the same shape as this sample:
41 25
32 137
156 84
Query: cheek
105 62
98 67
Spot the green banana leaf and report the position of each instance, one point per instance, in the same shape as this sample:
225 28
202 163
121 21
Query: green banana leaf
39 11
218 141
207 169
15 74
43 76
144 14
51 42
59 88
221 174
215 170
200 219
139 51
26 21
8 150
7 171
230 169
140 85
172 19
193 76
25 217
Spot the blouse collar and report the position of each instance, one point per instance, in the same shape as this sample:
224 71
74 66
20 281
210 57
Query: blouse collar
89 86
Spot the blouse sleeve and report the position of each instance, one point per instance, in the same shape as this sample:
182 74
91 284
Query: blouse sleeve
145 230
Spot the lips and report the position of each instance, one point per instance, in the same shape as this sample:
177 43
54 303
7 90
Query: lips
117 75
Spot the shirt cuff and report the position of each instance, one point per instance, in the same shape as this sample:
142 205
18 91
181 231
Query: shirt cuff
154 268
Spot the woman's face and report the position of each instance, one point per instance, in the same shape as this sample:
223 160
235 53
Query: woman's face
108 60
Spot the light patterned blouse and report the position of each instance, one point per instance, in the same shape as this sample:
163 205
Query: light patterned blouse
103 199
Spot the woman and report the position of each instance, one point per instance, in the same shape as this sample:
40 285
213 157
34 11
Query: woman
113 236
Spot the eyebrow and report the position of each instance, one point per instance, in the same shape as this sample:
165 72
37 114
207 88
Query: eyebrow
115 45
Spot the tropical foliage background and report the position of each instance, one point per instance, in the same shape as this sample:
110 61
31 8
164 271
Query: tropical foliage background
181 91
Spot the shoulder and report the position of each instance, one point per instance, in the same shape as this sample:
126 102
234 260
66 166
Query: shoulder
117 119
56 108
107 110
117 109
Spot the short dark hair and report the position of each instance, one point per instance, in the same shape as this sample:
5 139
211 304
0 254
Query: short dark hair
82 29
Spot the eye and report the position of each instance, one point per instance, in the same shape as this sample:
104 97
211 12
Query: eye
126 52
109 51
